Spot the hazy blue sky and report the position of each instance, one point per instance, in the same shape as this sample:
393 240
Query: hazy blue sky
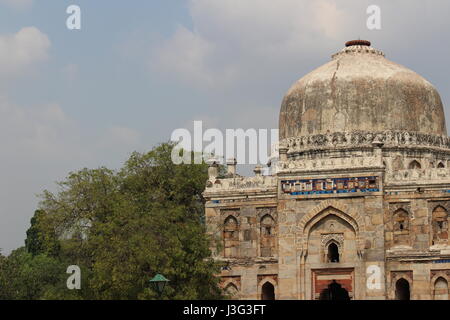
139 69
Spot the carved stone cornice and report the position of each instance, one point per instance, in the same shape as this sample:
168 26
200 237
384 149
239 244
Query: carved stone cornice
365 139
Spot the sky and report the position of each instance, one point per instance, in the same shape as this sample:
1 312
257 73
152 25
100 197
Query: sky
137 70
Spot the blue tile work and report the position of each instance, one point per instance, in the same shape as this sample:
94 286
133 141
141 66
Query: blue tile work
330 186
442 261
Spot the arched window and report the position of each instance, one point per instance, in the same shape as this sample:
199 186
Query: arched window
414 165
401 227
333 253
440 289
231 237
402 290
268 291
440 226
231 290
441 165
267 236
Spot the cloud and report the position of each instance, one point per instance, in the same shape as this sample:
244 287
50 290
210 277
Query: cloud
35 144
40 144
229 39
21 50
235 42
186 55
39 132
17 4
124 136
242 54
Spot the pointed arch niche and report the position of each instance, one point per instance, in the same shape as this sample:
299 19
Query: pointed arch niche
439 225
267 241
267 287
231 286
333 224
231 237
336 215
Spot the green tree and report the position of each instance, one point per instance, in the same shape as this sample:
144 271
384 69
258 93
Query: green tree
41 237
126 226
27 277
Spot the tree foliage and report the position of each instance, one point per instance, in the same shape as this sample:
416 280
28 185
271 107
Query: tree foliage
41 237
25 276
121 227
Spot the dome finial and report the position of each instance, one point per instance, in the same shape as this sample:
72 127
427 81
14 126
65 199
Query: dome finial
357 43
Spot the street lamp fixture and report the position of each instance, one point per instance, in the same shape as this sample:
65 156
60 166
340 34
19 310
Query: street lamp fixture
158 283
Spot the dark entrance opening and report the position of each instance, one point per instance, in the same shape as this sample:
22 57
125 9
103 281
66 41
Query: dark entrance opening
402 290
334 292
268 291
333 253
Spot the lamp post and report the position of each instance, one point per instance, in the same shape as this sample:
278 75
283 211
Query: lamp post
158 283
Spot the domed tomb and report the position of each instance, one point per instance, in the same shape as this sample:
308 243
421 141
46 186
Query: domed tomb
361 90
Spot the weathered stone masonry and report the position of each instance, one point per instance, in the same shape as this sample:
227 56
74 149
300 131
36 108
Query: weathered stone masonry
362 183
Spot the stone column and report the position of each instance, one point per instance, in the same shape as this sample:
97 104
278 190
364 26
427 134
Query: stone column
283 154
231 166
378 151
213 171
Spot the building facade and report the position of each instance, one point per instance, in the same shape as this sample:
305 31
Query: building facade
357 205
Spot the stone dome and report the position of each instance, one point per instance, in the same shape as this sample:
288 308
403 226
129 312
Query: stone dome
361 90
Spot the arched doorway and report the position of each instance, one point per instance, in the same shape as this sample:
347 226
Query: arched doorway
334 292
441 289
402 291
268 291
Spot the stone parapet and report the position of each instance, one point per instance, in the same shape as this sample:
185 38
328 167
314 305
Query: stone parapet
242 183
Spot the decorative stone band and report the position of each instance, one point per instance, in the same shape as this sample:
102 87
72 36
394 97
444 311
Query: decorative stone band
307 166
364 139
330 185
247 183
430 175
